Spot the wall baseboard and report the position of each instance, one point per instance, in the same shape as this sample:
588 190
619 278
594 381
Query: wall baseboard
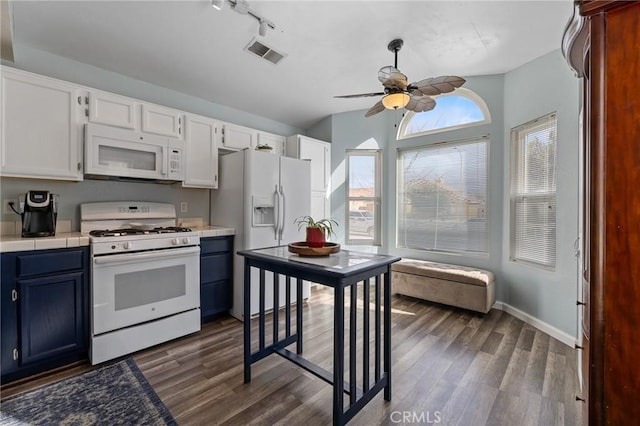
552 331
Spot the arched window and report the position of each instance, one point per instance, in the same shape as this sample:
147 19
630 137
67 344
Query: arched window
455 110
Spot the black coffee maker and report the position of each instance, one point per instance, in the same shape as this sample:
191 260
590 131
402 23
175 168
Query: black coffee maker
39 213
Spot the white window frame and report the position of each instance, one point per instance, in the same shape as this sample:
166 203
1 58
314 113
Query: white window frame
399 182
466 93
518 194
376 199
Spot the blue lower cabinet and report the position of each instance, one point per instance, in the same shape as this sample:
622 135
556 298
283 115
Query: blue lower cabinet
216 276
45 310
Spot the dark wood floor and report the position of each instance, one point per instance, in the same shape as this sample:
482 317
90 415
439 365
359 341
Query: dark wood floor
449 366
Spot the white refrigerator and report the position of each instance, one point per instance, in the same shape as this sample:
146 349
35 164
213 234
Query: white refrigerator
260 194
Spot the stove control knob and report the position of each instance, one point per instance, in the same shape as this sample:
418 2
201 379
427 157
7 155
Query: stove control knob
175 241
127 245
186 240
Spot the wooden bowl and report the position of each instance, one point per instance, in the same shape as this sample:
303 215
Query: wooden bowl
302 249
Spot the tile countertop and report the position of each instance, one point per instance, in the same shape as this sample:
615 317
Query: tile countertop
9 243
214 231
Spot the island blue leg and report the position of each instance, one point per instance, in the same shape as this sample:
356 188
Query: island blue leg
247 321
387 333
338 355
299 315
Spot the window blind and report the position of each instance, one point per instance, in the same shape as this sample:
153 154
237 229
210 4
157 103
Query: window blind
442 193
533 192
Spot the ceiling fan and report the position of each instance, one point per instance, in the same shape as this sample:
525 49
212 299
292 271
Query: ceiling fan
399 94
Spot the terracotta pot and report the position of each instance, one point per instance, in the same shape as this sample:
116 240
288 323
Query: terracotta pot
315 237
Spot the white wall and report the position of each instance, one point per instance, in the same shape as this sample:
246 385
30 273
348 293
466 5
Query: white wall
535 89
531 91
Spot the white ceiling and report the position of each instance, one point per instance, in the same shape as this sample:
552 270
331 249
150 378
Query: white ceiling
333 47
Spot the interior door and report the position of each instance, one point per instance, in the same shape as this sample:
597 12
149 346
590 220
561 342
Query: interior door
317 152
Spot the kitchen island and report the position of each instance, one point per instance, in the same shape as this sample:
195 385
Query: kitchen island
342 270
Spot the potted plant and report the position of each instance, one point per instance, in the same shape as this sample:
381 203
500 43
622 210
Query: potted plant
264 147
317 230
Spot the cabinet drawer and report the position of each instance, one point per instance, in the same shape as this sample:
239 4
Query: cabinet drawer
50 262
216 245
215 267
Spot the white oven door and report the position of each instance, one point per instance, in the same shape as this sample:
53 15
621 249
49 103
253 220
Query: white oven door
132 288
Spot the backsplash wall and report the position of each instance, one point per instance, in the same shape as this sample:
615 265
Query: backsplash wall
72 194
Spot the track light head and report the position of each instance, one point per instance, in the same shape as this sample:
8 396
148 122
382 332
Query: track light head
240 6
263 28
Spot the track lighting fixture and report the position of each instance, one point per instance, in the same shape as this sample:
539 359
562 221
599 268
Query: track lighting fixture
263 28
242 7
217 4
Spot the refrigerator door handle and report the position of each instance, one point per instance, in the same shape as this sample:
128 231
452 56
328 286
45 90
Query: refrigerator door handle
277 218
283 212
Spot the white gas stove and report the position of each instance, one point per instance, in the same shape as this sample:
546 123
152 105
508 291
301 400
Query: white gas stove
145 281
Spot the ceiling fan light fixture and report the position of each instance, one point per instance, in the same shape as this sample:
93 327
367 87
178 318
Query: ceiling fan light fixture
396 100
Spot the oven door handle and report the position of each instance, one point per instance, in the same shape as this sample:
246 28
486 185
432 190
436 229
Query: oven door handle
153 255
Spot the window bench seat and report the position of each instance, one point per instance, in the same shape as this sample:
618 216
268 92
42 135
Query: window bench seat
461 286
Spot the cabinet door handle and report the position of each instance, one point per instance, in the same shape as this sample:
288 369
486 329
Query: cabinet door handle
14 295
16 354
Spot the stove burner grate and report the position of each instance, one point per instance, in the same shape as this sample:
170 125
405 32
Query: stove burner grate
137 231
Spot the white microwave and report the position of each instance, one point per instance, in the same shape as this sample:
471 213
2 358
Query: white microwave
121 153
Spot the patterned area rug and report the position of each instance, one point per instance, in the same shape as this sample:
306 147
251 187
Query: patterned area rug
113 394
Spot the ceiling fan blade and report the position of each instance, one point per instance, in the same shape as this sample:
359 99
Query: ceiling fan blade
420 104
378 107
437 85
361 95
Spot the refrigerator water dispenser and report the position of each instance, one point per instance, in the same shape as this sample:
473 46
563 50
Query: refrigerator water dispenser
263 211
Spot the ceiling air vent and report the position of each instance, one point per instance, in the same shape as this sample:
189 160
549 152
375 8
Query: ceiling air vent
258 47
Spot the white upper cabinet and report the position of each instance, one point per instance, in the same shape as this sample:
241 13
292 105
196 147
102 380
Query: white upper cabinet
40 127
239 137
113 110
275 141
161 121
201 152
319 153
120 111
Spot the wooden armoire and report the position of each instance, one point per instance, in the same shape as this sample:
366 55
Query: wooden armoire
602 44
